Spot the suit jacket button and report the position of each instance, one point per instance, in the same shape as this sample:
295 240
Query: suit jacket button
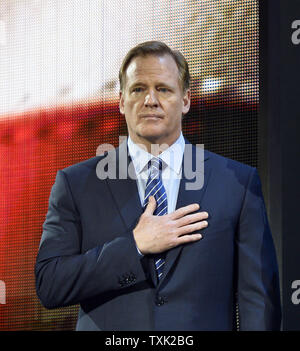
160 300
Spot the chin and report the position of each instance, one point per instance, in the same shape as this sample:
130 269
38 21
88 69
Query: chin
152 134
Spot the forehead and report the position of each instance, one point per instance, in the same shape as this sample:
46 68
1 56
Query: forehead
152 67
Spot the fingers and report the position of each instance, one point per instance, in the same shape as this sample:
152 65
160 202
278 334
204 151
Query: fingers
150 206
192 228
155 234
189 223
183 211
192 218
188 239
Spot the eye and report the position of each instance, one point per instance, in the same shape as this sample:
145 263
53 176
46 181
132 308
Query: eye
137 90
163 89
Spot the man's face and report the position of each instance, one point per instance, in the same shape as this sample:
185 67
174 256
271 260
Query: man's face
153 101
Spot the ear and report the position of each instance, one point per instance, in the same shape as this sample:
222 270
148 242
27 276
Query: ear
121 103
186 101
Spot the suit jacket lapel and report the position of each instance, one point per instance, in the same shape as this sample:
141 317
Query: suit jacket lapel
187 197
125 194
124 189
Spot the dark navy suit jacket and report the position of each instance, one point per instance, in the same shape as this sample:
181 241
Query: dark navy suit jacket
88 255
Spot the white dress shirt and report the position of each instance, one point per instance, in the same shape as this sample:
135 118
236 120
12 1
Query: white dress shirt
171 168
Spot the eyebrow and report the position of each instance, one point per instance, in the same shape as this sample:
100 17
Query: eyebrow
137 84
144 85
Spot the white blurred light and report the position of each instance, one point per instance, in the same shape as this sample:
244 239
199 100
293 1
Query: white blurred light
3 33
211 85
59 51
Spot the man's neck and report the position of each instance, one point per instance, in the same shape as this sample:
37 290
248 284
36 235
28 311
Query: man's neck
154 147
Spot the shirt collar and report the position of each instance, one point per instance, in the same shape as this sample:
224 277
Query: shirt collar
172 156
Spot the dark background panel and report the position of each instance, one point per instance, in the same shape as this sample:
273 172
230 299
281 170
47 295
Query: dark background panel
280 143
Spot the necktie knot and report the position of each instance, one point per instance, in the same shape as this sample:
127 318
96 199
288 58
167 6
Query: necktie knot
155 187
155 166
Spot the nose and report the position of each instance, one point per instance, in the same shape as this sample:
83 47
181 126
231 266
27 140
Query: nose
151 99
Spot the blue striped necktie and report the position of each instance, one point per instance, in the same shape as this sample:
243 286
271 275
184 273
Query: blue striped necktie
155 187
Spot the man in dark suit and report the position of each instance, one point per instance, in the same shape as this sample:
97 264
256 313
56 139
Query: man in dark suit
136 251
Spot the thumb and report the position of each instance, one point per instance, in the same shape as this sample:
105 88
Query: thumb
150 208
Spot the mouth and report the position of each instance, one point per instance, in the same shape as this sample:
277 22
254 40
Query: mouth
151 116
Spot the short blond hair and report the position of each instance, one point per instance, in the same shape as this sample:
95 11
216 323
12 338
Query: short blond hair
156 48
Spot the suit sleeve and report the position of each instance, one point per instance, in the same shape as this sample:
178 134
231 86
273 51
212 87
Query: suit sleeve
258 293
64 275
